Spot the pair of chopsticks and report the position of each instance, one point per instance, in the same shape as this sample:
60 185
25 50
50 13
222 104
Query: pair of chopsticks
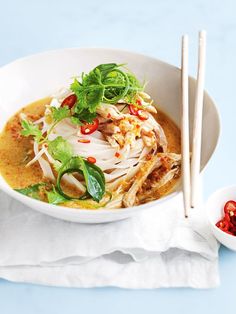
191 172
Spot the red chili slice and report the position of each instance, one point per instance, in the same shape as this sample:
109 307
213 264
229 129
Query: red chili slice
233 221
223 225
140 113
227 217
89 128
133 110
139 103
91 160
69 101
229 232
230 207
117 155
232 227
228 222
84 140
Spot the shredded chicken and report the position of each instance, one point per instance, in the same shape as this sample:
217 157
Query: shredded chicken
109 128
153 175
148 167
170 168
149 138
109 111
120 124
151 109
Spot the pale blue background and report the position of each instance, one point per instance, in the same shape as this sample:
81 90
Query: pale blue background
151 27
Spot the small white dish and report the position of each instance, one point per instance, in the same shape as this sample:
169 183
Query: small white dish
215 212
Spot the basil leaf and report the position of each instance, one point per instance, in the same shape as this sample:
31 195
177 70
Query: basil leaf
55 198
93 175
74 164
32 190
95 181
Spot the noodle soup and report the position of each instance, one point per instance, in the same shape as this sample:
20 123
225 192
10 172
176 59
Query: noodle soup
98 144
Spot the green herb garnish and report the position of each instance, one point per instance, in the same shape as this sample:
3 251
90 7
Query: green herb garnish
93 175
32 190
36 190
54 197
30 129
62 151
85 115
60 113
106 83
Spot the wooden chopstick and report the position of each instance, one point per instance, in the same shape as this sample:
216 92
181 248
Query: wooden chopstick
185 127
197 123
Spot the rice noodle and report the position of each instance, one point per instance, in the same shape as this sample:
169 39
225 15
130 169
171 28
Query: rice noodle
44 164
69 178
41 120
130 174
65 129
36 157
116 202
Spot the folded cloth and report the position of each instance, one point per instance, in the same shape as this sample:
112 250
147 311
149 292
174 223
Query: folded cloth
156 248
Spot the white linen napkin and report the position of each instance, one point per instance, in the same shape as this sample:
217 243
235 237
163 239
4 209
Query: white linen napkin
156 248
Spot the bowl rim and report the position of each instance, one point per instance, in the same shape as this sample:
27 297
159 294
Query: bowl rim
75 211
41 53
207 207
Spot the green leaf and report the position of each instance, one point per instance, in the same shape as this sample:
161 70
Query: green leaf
78 89
55 198
60 149
75 120
60 113
93 175
135 86
57 165
95 181
93 78
105 83
84 116
32 190
75 86
89 96
30 129
74 164
107 67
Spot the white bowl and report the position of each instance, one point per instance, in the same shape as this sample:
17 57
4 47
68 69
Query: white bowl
215 212
37 76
